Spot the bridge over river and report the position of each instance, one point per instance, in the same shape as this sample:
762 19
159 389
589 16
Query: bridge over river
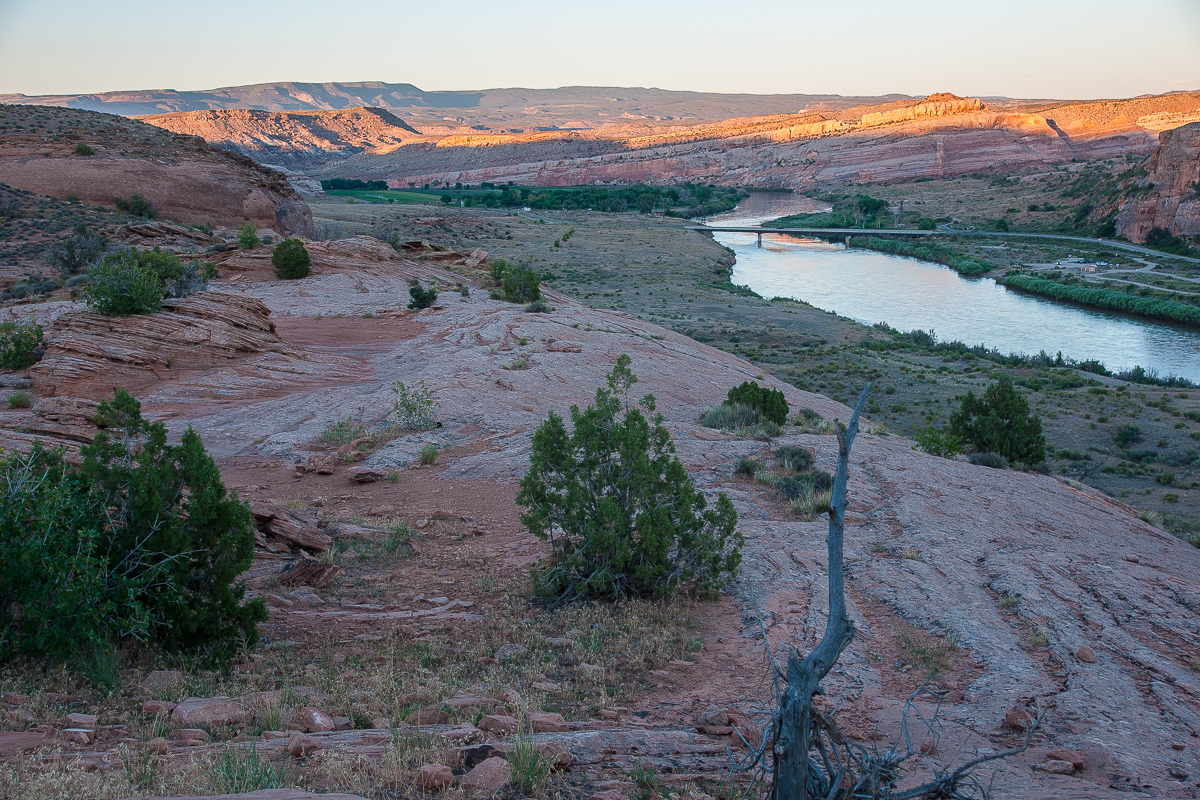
902 233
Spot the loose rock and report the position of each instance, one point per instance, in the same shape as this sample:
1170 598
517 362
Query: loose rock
489 777
495 723
300 745
434 777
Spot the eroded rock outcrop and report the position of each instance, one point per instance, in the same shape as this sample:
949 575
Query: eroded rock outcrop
184 178
1174 184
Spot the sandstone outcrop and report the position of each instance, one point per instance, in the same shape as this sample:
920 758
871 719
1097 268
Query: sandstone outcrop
297 140
184 178
1174 183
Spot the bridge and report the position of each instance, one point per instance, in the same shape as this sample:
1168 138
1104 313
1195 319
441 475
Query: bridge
901 233
825 233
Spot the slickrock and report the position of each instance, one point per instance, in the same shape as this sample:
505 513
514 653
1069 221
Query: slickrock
91 355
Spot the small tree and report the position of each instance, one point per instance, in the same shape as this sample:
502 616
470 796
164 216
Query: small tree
169 501
521 285
1000 422
248 236
421 298
621 513
291 259
771 404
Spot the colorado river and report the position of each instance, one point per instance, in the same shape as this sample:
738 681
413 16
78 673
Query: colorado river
908 294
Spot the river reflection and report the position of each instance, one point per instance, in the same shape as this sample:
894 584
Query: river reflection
908 294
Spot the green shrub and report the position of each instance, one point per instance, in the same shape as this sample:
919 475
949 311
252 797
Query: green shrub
240 769
166 505
797 459
938 442
1106 298
421 298
498 268
521 285
136 281
1000 422
747 466
20 345
64 590
248 236
291 259
810 421
19 400
770 403
428 455
993 460
1127 435
77 252
83 149
1165 478
123 286
539 307
620 510
415 408
740 420
135 206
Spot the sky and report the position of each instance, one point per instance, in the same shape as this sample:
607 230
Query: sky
1076 49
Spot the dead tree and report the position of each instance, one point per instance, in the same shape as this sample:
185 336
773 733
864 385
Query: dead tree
794 718
810 756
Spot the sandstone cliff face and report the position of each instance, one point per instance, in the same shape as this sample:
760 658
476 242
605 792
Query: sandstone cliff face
1175 178
296 140
184 178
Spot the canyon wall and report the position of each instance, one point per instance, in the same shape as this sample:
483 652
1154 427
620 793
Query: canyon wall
1173 183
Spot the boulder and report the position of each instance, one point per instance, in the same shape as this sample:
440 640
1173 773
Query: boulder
209 711
365 474
78 721
313 720
158 746
546 722
1085 655
488 777
508 651
14 699
1057 767
1018 720
428 716
498 724
300 745
159 708
433 777
469 702
1077 759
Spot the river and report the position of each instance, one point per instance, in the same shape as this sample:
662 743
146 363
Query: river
908 294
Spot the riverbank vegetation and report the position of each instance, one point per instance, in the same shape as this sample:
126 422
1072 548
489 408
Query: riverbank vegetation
1073 290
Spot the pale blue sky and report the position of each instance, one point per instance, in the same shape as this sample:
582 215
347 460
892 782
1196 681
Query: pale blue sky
1019 48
